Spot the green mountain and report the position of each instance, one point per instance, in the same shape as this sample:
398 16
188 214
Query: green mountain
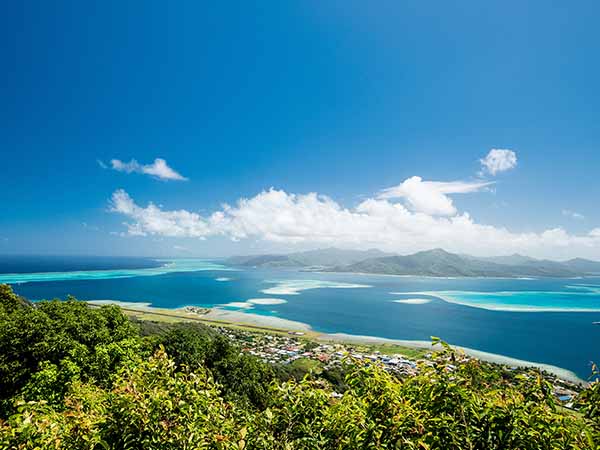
514 260
584 266
439 263
327 257
434 263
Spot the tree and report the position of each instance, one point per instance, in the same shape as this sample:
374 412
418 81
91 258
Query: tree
47 345
9 301
241 376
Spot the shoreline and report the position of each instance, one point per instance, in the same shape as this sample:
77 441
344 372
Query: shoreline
219 316
214 315
479 354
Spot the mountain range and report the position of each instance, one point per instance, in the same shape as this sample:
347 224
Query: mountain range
435 263
322 258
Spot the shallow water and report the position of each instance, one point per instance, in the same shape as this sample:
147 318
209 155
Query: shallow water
158 267
545 320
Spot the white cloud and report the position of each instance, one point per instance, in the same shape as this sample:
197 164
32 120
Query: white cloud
572 214
280 217
430 197
498 160
152 220
159 168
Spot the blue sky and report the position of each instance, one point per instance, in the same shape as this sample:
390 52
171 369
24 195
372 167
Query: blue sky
343 99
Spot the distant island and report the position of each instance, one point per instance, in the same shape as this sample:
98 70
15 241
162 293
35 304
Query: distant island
431 263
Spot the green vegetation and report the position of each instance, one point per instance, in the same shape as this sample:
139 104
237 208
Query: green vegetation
326 257
75 377
436 263
305 364
43 349
392 349
439 263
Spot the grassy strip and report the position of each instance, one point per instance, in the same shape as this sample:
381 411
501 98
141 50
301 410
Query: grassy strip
169 316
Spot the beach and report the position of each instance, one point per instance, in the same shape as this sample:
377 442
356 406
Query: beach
219 316
212 315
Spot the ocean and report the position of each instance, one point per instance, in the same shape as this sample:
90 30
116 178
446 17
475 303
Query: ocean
548 321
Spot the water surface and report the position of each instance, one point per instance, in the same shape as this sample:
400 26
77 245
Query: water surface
546 321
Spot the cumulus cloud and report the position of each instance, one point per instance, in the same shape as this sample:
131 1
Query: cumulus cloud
572 214
498 160
158 169
431 197
277 216
152 220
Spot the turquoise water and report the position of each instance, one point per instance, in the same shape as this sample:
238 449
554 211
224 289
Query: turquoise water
574 298
546 321
167 266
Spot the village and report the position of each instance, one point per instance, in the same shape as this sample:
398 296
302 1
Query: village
285 349
278 348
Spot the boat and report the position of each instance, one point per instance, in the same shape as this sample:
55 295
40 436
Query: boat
595 323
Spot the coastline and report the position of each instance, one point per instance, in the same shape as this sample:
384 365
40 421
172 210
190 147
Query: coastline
484 356
221 316
213 315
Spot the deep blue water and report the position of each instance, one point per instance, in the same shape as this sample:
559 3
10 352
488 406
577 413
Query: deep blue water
562 338
55 263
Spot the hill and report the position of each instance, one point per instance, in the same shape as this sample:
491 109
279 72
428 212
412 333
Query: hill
435 263
440 263
584 266
327 257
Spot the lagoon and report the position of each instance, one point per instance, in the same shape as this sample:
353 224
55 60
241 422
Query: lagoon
548 321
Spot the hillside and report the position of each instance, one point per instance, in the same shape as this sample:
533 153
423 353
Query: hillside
327 257
439 263
73 377
434 263
585 266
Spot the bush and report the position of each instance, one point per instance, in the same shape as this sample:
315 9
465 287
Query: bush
46 346
193 346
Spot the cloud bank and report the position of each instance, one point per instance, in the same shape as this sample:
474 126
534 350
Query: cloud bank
277 216
498 160
158 169
431 197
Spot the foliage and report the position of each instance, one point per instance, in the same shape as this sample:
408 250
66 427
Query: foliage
9 301
93 385
589 401
194 346
151 406
45 348
190 345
